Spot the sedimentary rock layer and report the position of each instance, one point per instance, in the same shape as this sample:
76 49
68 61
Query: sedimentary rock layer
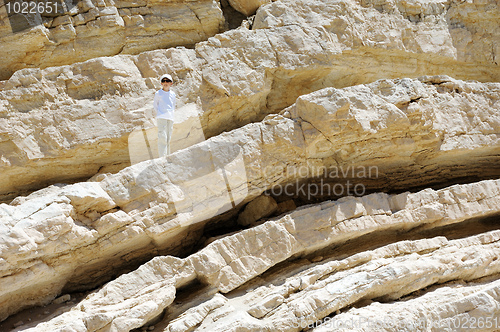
457 306
448 28
321 104
307 294
404 128
81 234
95 28
232 79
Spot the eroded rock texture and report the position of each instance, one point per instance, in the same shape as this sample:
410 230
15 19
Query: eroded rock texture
232 79
94 28
153 206
336 168
304 293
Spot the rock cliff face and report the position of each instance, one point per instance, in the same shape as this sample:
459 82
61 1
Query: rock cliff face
234 78
335 167
94 28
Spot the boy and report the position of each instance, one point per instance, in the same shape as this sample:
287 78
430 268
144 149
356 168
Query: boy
164 105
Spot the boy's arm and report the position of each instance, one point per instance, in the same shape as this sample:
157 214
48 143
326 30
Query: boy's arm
156 101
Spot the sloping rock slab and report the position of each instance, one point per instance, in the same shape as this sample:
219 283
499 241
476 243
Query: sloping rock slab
226 264
82 233
52 119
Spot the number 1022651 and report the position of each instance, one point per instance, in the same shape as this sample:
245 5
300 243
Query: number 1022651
31 7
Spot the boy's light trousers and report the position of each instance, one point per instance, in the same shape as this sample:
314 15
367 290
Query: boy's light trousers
165 128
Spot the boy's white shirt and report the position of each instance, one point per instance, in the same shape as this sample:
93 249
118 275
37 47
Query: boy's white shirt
164 104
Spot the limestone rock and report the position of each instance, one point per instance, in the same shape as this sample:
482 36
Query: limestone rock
454 306
66 236
449 28
260 207
344 108
104 28
130 301
386 273
79 124
307 295
470 39
339 123
194 316
236 77
248 7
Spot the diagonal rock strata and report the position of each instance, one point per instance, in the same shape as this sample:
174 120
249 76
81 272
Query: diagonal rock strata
388 272
308 296
230 262
152 206
94 29
239 76
454 306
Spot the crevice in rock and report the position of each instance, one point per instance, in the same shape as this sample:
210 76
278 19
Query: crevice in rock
379 239
221 226
196 238
185 298
189 295
233 18
198 18
278 274
419 294
226 224
298 262
372 241
127 261
301 196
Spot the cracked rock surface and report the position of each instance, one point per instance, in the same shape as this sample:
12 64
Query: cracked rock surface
335 167
390 272
151 206
95 28
89 109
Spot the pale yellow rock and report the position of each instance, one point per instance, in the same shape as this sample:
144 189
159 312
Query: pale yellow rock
194 316
454 306
130 301
451 29
117 27
260 207
338 132
155 203
471 39
334 125
236 78
248 7
262 308
228 263
307 297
